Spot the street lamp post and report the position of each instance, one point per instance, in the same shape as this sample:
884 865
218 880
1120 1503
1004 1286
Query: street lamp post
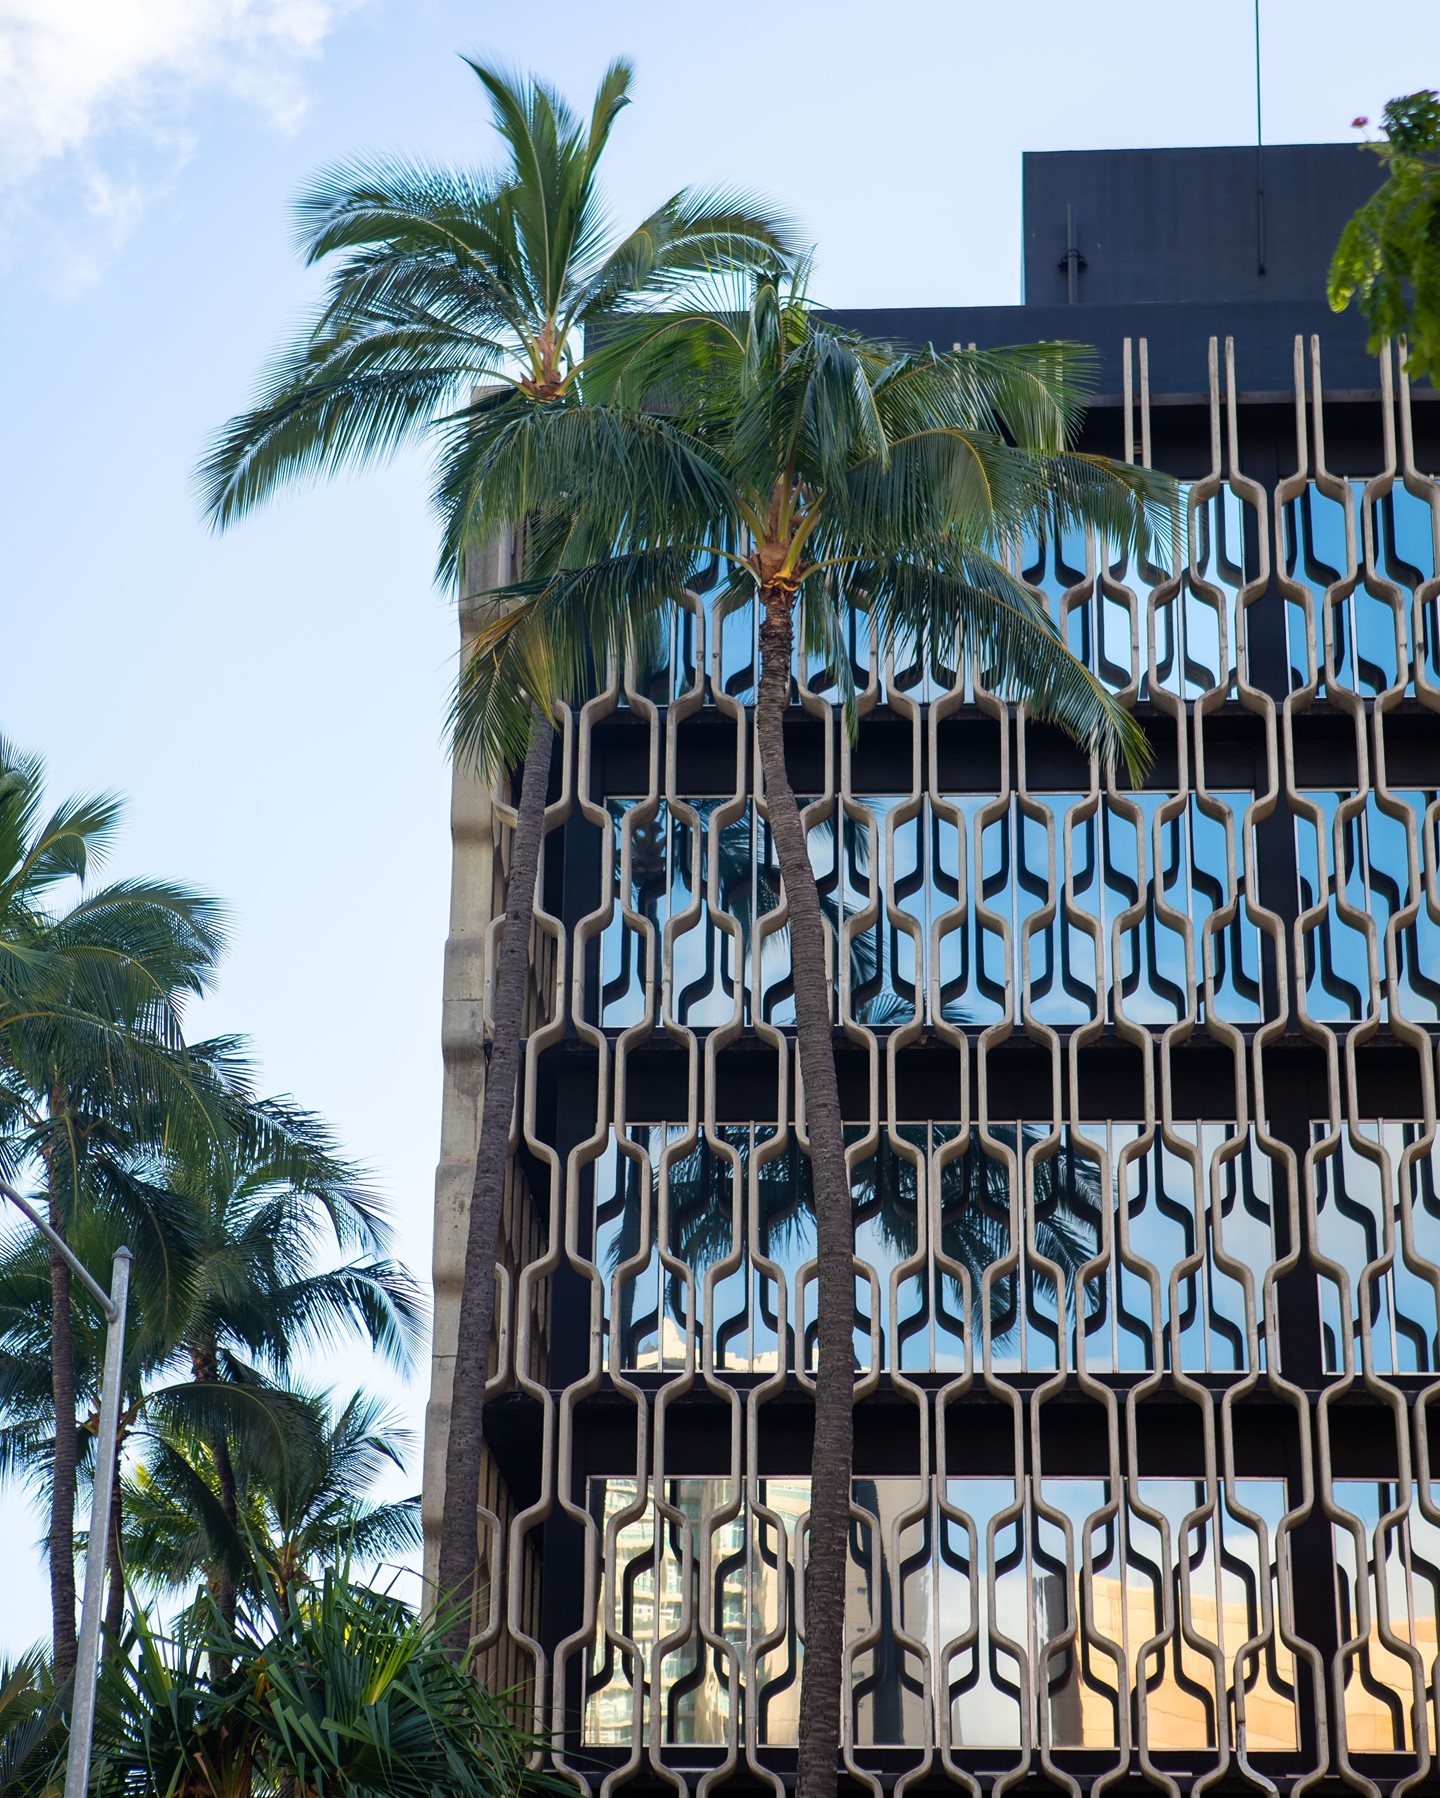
87 1663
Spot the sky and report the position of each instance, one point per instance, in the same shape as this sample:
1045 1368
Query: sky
270 702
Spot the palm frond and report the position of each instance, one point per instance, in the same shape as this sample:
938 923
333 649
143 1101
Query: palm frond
547 639
973 600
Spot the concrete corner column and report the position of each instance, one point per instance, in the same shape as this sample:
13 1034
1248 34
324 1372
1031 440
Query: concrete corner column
476 893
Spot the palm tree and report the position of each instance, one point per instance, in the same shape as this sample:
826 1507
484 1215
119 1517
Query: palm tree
822 471
447 283
233 1289
287 1516
92 1057
268 1213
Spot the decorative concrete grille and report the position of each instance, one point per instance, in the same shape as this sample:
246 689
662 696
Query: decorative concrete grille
1142 1141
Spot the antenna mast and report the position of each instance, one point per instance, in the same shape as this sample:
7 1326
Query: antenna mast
1259 157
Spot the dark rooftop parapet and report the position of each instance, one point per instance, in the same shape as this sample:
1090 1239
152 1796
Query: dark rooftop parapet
1184 226
1177 337
1167 247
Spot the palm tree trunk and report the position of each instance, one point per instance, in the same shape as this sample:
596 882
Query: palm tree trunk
459 1535
225 1480
204 1365
62 1483
115 1594
820 1680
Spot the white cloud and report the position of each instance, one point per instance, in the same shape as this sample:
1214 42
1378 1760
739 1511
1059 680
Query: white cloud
80 77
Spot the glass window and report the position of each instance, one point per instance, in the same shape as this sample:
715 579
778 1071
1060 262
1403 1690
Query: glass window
973 1593
1010 1248
889 871
1387 1549
1370 629
1377 1217
1364 864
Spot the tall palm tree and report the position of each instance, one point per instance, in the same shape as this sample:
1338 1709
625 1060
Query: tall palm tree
309 1510
235 1287
444 283
92 1057
269 1213
821 470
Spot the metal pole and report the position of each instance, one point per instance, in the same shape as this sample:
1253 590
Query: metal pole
1259 156
87 1663
61 1248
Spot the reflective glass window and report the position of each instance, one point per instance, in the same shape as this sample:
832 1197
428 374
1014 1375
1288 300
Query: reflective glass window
984 1635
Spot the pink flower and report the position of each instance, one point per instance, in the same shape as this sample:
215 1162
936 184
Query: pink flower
1360 123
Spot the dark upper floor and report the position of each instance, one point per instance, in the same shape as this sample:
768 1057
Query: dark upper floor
1170 245
1174 227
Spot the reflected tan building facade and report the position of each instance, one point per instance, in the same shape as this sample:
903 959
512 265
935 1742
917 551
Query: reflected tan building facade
1141 1090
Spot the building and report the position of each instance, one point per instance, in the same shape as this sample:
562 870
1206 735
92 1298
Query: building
1142 1091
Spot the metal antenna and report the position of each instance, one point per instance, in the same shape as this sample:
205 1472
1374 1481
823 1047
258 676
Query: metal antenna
1259 156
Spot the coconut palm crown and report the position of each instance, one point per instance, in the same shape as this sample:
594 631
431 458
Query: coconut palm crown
445 281
295 1512
813 465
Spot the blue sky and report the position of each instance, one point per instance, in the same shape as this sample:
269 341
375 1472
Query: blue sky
271 701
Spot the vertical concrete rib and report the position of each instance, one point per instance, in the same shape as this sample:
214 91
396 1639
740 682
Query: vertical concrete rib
476 898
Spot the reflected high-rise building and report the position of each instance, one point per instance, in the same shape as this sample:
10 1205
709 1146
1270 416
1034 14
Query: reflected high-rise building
1140 1089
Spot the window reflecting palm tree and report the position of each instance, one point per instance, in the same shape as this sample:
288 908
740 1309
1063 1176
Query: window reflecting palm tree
699 1228
975 1202
748 885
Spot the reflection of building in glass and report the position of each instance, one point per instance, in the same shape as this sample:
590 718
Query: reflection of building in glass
699 1613
1387 1545
1141 1102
